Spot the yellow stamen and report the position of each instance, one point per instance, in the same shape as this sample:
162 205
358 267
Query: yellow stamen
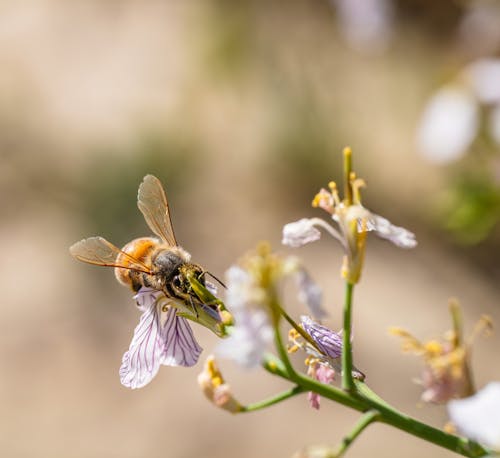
433 348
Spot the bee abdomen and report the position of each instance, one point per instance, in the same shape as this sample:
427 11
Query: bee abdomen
139 249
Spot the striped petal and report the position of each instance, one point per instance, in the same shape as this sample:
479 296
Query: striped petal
180 348
142 360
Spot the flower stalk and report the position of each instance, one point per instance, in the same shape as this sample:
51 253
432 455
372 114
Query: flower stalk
367 419
386 414
347 380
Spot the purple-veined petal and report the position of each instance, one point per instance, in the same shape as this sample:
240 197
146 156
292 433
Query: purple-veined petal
399 236
142 360
180 348
300 232
328 341
146 297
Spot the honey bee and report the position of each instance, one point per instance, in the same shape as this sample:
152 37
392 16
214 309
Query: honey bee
153 262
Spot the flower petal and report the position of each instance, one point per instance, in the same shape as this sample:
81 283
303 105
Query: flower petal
323 374
328 341
299 233
399 236
142 360
310 293
180 346
448 125
146 297
249 339
478 417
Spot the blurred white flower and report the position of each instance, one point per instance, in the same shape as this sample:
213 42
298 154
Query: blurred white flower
448 124
478 417
252 332
253 299
484 77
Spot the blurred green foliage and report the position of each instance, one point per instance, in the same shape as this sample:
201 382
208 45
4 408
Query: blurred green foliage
471 208
110 182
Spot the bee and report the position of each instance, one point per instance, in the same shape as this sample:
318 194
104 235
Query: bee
154 262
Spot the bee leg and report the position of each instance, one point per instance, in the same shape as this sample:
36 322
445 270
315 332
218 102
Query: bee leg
191 302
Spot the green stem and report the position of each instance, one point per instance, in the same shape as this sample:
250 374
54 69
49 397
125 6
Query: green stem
277 367
347 381
368 418
273 400
365 400
282 351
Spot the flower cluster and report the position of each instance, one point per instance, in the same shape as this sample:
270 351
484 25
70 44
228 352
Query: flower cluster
446 374
253 298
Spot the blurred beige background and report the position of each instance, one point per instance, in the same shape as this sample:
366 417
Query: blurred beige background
242 109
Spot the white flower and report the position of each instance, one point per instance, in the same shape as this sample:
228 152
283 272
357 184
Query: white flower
484 76
252 332
160 338
478 417
252 298
250 338
297 233
448 124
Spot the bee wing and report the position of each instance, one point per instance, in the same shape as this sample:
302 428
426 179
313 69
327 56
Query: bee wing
97 250
152 202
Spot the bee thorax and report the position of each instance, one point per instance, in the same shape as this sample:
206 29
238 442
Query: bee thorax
166 264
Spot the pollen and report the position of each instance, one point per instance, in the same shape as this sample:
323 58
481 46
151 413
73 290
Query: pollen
433 348
226 317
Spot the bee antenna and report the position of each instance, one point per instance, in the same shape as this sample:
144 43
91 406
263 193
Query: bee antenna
206 272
